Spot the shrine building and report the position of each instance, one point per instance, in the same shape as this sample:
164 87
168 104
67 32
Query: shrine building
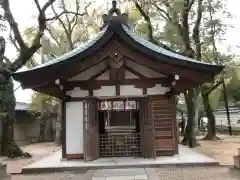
117 92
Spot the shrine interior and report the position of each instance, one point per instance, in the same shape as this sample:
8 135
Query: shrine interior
119 131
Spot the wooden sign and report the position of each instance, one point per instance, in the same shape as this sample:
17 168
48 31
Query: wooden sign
130 105
117 105
105 105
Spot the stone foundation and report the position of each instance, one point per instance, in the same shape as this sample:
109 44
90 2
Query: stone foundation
3 173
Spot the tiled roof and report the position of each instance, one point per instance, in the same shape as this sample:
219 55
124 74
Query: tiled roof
159 49
72 53
137 39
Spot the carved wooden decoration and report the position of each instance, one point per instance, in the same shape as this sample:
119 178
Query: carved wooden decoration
116 64
116 60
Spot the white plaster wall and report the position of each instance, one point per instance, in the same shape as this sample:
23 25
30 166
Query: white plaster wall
130 90
158 89
77 92
105 91
74 128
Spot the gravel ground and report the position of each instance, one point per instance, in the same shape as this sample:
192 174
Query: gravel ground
195 173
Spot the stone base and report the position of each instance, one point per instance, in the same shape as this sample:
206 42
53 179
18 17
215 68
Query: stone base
54 163
3 173
236 160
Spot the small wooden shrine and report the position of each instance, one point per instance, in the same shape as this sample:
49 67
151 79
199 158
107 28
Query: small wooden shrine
117 92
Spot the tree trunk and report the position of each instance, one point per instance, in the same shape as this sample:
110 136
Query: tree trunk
8 145
197 113
58 125
226 107
211 126
42 104
189 138
42 128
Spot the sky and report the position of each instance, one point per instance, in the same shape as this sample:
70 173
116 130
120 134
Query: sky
24 17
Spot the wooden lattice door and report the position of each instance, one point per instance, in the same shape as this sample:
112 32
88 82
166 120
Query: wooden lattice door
91 131
147 138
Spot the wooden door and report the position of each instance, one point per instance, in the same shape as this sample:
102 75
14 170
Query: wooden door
147 135
91 131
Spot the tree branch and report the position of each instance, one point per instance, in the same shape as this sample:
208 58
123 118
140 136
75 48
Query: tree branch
147 19
191 4
38 5
188 51
27 52
208 91
163 13
13 41
213 32
66 15
174 18
75 18
69 38
196 30
7 61
150 28
65 12
52 36
13 24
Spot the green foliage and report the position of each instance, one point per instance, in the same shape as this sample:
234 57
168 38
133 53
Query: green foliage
39 100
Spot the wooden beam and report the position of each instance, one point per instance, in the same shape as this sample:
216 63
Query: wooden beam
161 67
90 92
74 156
144 91
98 74
141 76
117 90
181 85
98 83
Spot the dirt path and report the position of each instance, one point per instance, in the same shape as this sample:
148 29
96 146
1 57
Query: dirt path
38 151
222 150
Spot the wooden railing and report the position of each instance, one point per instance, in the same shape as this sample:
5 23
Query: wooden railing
119 144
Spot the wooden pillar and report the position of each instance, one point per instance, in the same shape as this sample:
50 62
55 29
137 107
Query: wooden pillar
175 127
63 128
147 136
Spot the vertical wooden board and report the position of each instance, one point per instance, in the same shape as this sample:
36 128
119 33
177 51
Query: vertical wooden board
91 134
147 138
175 128
63 131
163 113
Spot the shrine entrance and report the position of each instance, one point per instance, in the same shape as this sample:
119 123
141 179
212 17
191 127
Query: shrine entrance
119 128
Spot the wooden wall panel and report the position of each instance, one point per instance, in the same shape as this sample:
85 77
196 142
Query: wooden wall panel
164 125
74 156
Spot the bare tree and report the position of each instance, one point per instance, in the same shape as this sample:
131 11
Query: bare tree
7 67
